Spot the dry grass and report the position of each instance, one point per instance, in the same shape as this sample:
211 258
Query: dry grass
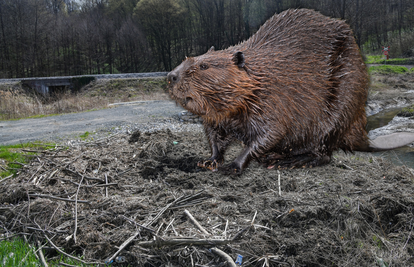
17 102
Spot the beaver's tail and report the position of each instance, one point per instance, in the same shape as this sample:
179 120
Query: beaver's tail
387 142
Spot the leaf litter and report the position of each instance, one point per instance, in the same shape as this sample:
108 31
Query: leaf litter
140 200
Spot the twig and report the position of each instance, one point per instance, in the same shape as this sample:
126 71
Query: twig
168 226
224 256
140 225
225 229
59 198
254 217
106 182
76 211
68 255
42 257
195 222
31 178
89 186
129 240
184 241
6 178
86 177
122 173
241 232
65 264
278 180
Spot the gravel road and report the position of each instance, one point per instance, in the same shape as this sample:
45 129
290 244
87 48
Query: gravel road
142 115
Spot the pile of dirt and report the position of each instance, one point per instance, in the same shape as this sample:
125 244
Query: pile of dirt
135 200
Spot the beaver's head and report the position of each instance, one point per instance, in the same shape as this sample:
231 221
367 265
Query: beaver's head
215 85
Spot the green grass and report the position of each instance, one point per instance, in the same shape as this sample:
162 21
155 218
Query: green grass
388 69
30 117
374 59
12 155
380 59
85 135
17 253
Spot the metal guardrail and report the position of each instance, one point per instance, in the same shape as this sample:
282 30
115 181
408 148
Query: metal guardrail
96 76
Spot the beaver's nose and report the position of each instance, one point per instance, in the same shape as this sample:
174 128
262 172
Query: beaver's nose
172 77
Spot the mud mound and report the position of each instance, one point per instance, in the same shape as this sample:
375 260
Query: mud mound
135 200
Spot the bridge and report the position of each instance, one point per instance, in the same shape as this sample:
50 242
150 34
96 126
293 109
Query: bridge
48 86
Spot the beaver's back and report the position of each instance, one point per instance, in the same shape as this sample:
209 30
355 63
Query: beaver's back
316 82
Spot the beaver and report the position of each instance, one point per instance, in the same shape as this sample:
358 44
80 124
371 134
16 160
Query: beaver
293 93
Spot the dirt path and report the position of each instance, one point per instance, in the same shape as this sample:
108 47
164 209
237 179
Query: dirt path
65 126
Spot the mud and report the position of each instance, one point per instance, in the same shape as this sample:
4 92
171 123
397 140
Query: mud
356 211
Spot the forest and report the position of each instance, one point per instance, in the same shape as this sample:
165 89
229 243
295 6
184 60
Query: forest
40 38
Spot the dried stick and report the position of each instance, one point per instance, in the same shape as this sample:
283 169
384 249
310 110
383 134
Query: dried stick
278 180
140 225
254 217
225 229
42 257
225 256
129 240
195 222
68 255
6 178
184 241
89 186
65 264
59 198
76 211
86 177
106 182
168 226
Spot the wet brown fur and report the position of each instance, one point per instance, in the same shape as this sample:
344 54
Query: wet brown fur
292 93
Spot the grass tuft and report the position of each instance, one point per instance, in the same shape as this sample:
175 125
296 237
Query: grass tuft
380 59
17 253
12 158
388 69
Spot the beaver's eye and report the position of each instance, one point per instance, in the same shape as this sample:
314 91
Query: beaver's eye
203 66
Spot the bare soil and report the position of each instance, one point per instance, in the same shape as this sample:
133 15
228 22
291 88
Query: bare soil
126 199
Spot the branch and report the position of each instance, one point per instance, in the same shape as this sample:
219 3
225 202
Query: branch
68 255
184 241
59 198
196 223
224 256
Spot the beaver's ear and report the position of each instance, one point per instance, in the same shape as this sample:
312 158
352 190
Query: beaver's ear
211 49
238 59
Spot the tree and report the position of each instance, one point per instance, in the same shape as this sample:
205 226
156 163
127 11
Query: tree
161 21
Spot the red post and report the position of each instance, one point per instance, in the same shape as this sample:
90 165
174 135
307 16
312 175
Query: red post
385 51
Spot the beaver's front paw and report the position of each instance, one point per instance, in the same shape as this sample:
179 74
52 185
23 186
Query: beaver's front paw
210 164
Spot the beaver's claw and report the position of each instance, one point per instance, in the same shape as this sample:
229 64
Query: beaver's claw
209 164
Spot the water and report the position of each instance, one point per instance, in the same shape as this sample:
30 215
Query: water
382 118
399 156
